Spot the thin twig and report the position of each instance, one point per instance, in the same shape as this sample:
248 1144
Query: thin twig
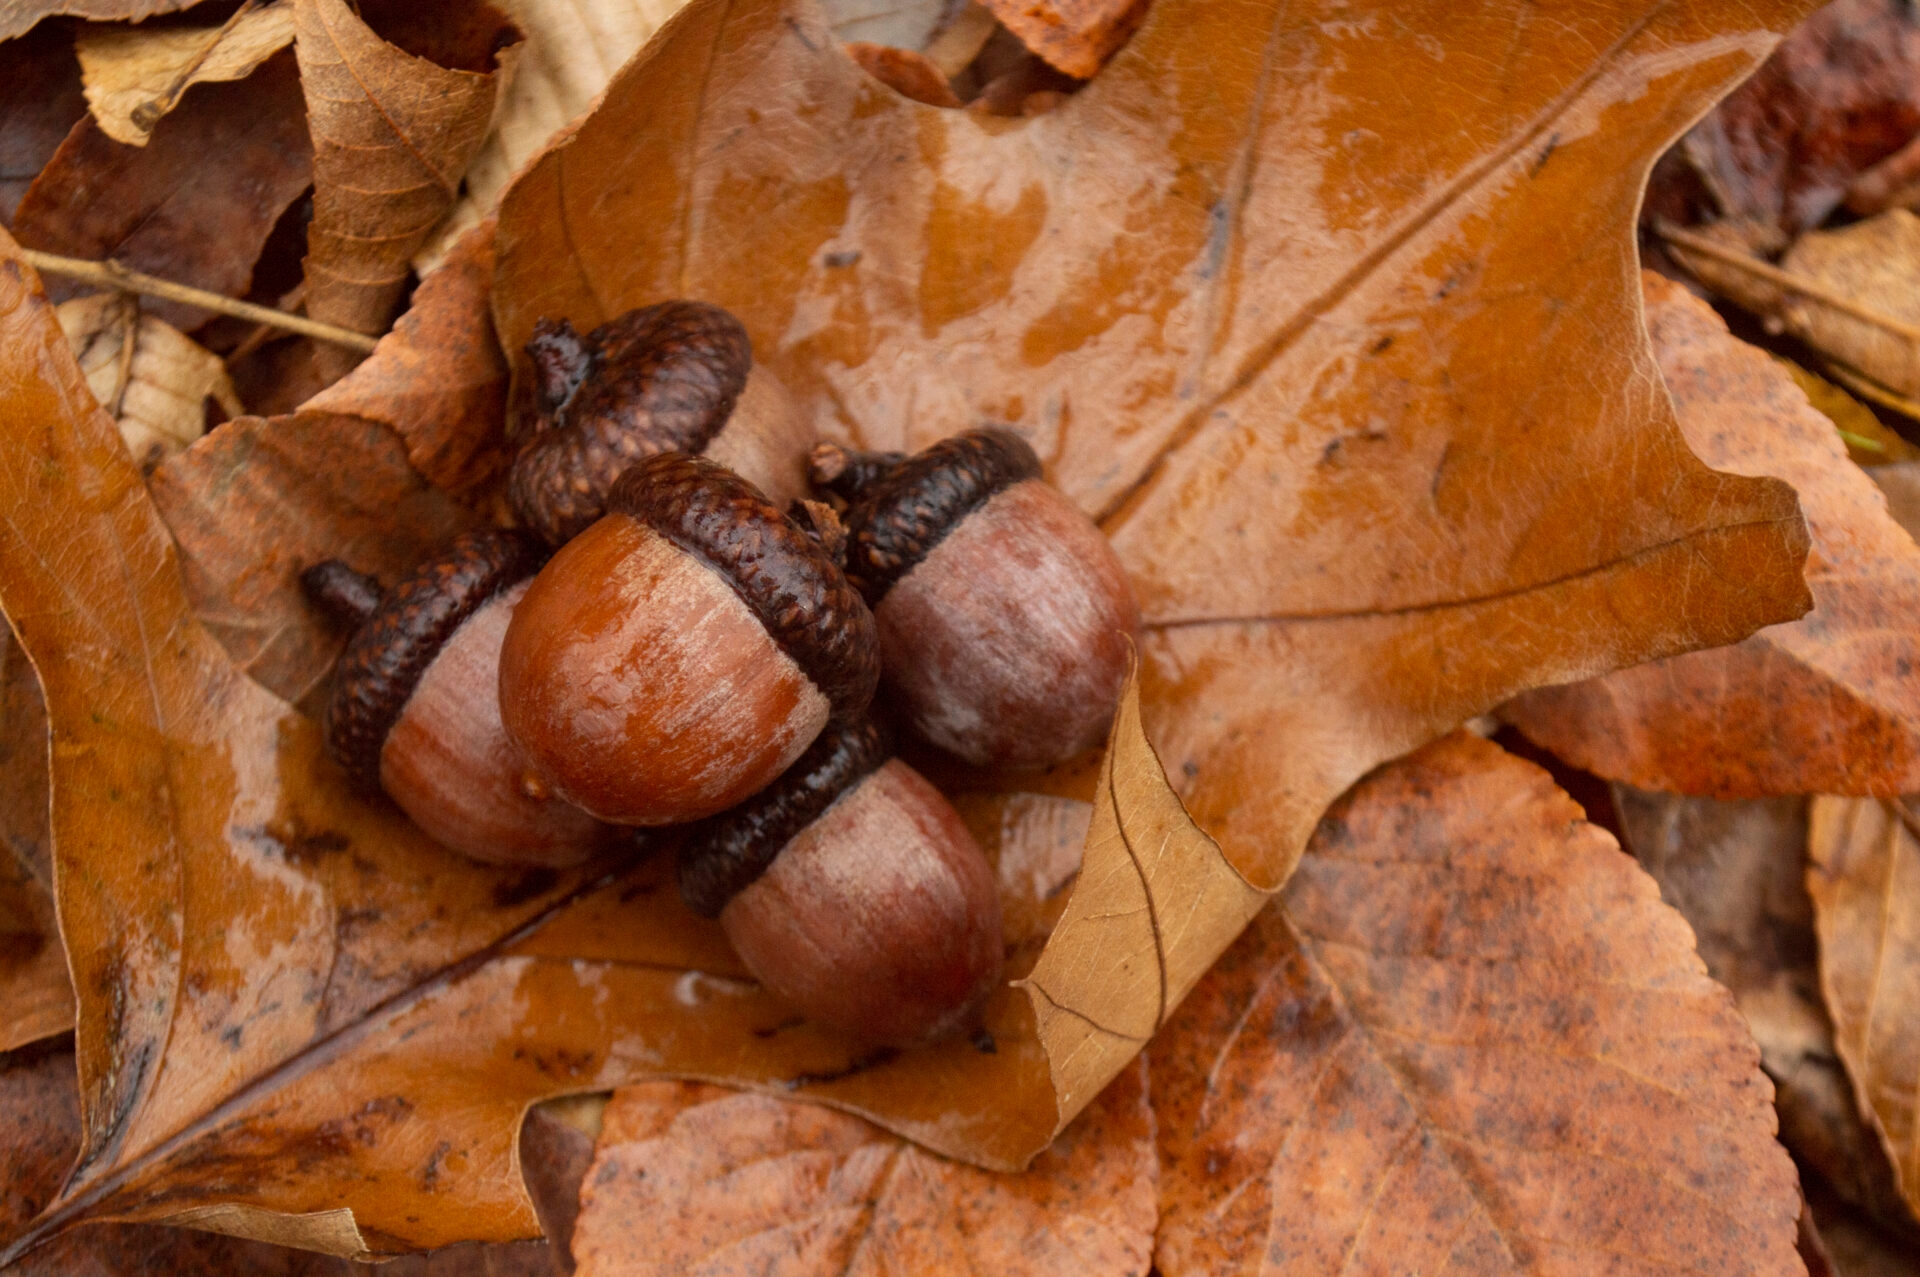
112 274
1700 244
148 113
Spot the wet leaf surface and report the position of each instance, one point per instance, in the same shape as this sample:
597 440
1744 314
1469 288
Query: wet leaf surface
195 204
399 99
1469 1037
1829 703
692 1178
1237 361
1865 882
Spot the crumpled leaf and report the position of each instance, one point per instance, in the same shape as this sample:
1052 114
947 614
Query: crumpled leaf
423 417
1077 36
573 47
399 98
135 75
1829 703
40 101
195 205
1736 871
693 1178
155 388
1865 882
1854 302
1470 1038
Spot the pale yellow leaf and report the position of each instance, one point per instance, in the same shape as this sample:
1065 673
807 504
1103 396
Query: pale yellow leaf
156 392
133 75
1155 904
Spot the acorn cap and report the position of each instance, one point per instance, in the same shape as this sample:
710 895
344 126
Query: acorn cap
725 854
661 378
904 516
385 658
785 577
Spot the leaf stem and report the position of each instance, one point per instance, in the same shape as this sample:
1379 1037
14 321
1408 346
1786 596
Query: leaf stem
1696 243
112 274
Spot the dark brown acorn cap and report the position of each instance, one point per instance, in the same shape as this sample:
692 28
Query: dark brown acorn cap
787 578
913 509
725 854
661 378
387 655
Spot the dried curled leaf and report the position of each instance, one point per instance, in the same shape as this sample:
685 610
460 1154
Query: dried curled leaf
396 115
693 1178
17 17
1829 703
152 378
1471 1039
1865 882
135 75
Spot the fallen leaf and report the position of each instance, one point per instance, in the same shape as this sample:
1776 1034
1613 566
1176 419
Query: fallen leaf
1737 872
378 1116
399 99
135 75
1471 1038
1848 293
1865 882
17 17
905 72
572 49
1839 95
1870 442
929 272
195 204
422 418
693 1178
1829 703
40 101
33 966
153 379
1900 484
40 1122
1077 36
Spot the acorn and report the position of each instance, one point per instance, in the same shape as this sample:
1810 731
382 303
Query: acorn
681 652
676 376
1006 622
852 889
414 708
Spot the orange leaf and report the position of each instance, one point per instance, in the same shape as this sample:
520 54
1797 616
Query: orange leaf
1078 36
693 1178
1470 1038
1826 704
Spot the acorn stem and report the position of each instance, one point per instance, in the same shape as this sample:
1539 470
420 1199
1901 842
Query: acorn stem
847 472
346 596
560 359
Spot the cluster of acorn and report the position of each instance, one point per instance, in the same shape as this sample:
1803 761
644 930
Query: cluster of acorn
703 648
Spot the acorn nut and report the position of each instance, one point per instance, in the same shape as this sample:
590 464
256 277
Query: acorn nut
681 652
1005 619
852 889
414 707
676 376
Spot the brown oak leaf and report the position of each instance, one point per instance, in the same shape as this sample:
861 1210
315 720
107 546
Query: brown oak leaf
1829 703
